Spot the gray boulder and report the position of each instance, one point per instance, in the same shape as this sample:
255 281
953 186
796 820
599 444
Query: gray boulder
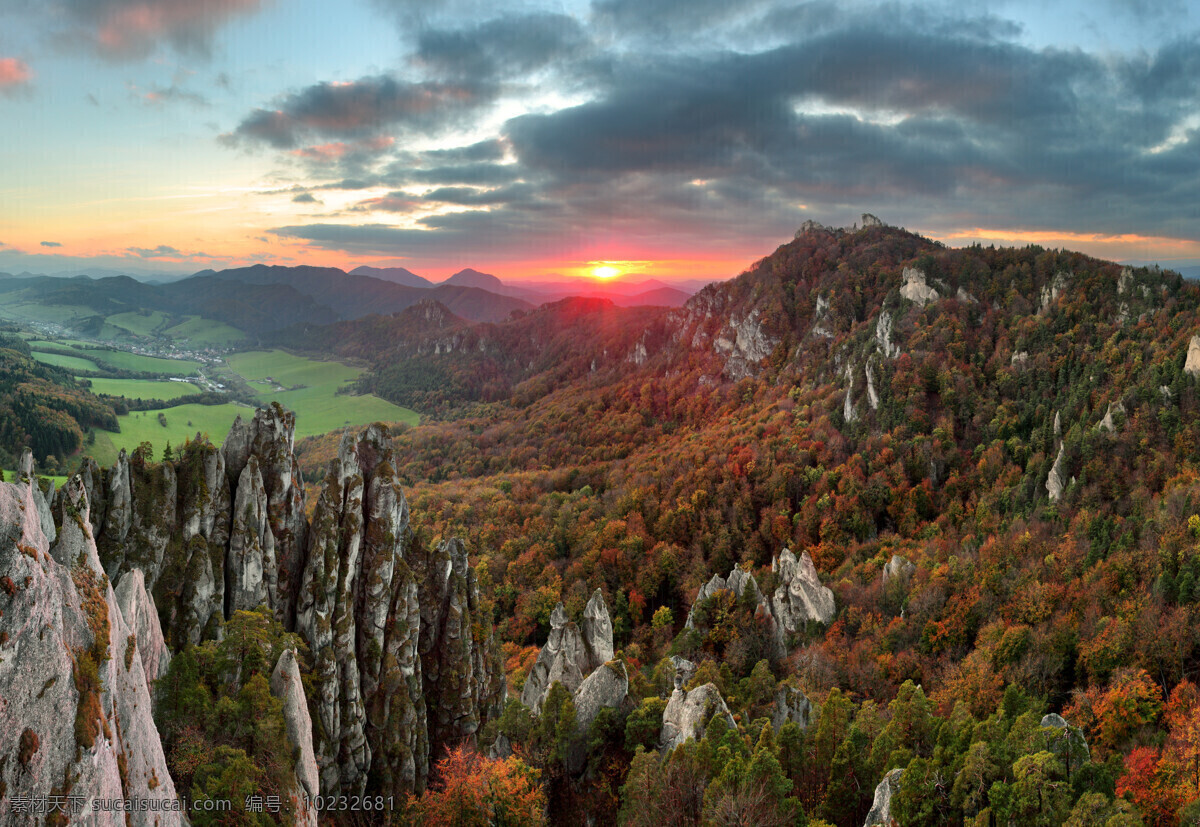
898 568
563 659
791 705
881 806
688 713
800 596
606 688
597 630
1191 365
684 670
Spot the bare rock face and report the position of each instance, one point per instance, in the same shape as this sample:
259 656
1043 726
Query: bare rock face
463 685
869 220
1054 481
899 568
404 655
1068 742
26 476
286 686
915 289
597 630
688 713
872 394
1056 287
883 335
74 704
399 668
270 437
250 571
171 522
791 705
606 688
800 597
744 343
137 609
684 670
881 807
563 659
325 618
1192 365
1107 423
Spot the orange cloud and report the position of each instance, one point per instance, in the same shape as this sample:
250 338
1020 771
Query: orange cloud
14 72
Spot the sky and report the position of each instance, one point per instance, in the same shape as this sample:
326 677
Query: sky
670 138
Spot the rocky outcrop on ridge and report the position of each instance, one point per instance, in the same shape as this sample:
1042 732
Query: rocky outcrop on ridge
286 686
791 705
74 702
915 288
1107 423
800 596
463 682
1054 480
688 713
270 438
606 688
1191 365
137 609
404 659
898 569
570 655
881 807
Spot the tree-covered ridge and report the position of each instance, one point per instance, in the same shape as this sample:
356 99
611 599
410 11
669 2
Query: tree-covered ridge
43 407
704 458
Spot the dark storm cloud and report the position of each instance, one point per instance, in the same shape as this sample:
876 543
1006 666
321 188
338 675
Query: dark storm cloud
368 106
920 115
504 47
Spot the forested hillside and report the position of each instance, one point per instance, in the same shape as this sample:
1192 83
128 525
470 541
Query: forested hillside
1011 431
42 407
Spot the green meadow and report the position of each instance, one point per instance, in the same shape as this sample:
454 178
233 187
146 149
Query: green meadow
204 332
143 323
183 422
68 362
309 387
306 386
141 388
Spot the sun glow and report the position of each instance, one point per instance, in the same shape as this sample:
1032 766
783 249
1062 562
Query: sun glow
606 271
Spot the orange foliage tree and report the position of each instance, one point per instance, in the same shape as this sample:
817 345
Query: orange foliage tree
474 791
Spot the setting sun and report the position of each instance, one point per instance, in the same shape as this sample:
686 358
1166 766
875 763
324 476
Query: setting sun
605 271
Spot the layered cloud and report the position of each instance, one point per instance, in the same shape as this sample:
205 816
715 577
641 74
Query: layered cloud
745 120
360 109
124 29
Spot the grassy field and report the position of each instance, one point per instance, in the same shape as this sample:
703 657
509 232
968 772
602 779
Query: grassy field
203 332
33 312
275 376
143 323
142 388
122 360
183 422
59 482
69 362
